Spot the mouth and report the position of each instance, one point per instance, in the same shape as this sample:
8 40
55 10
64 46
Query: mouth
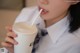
44 11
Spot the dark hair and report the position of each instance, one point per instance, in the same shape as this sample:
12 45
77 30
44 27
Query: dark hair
74 17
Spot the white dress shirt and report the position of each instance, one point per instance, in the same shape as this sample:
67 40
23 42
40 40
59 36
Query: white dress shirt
59 39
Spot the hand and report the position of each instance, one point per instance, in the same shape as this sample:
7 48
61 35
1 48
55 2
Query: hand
9 40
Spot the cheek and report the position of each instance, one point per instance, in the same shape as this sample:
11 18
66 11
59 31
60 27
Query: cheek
58 9
59 5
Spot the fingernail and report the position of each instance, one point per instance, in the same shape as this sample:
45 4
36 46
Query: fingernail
15 35
16 43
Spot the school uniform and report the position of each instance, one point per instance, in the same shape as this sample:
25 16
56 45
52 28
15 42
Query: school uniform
58 39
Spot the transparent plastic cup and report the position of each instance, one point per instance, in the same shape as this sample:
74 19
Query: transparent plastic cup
25 37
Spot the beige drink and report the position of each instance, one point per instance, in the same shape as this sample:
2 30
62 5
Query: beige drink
26 35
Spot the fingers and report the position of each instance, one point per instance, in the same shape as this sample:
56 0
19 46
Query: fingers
11 40
6 44
11 34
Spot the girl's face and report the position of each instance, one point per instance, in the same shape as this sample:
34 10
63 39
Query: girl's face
53 8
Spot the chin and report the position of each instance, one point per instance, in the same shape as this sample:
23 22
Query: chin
45 18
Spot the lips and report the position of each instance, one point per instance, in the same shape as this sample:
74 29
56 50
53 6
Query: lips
44 11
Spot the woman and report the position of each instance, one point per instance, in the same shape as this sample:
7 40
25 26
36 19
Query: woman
62 21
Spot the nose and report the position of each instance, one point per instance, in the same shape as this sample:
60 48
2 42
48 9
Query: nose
46 2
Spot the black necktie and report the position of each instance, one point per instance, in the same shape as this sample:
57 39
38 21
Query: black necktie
40 34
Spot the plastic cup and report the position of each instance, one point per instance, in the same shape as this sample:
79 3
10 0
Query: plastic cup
26 35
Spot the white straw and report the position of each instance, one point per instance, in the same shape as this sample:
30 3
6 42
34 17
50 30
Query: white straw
36 17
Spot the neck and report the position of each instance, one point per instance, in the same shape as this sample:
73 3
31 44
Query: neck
54 20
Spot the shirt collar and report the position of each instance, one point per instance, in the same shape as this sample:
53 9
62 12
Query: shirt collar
56 30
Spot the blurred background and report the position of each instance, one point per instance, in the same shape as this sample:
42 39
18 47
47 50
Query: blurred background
9 10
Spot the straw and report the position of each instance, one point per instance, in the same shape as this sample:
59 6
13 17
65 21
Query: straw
35 17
